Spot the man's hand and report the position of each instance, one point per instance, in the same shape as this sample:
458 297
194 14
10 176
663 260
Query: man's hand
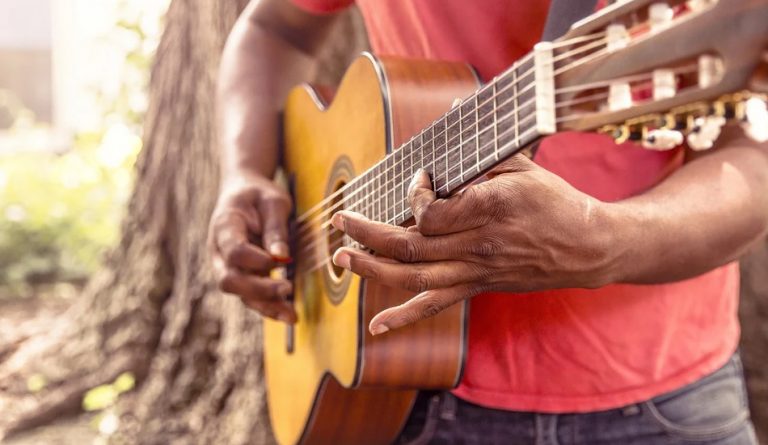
524 229
247 239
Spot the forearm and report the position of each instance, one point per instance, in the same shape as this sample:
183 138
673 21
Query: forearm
705 215
258 68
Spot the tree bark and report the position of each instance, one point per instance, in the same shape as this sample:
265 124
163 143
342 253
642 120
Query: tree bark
152 310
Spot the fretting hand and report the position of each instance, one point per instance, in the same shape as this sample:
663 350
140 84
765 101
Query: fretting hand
524 229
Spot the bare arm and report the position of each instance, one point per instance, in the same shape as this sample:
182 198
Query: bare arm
272 48
703 216
526 229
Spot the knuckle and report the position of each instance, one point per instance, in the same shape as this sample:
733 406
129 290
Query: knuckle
228 283
428 221
234 256
405 249
486 247
418 281
431 306
365 269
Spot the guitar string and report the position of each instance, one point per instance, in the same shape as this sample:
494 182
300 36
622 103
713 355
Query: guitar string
303 220
313 238
337 243
516 65
396 179
310 239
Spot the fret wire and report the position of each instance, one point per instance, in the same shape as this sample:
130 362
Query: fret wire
461 142
477 135
495 124
446 147
394 218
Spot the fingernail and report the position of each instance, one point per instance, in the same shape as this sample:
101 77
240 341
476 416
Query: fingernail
285 318
338 221
279 249
379 329
414 180
284 289
282 260
342 259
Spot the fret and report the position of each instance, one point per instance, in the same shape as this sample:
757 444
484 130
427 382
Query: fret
440 161
468 153
407 174
486 135
369 188
477 137
380 187
428 150
398 180
389 191
516 114
452 152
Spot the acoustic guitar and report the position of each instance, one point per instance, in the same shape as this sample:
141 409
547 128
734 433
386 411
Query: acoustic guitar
328 380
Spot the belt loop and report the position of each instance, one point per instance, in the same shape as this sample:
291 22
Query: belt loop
449 406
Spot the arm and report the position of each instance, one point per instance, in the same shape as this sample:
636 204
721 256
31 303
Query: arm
526 229
705 215
271 48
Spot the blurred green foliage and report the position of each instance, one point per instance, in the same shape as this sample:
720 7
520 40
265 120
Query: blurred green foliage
60 211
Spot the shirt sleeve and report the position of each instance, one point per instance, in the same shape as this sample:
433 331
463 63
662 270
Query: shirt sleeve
322 6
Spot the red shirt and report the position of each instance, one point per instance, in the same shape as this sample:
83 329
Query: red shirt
566 350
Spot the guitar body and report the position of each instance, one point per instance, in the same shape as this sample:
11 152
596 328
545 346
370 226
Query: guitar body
328 380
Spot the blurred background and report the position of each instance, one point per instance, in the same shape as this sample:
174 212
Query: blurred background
108 173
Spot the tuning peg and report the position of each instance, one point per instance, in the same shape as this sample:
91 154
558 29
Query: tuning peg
619 96
660 16
698 5
616 37
711 70
705 131
662 139
755 122
664 84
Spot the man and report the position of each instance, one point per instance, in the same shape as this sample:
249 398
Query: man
624 327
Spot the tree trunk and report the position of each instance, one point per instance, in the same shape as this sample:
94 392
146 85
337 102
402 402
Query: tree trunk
152 309
753 312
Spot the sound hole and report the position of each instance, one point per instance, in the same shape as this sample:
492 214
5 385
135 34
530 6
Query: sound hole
335 237
336 279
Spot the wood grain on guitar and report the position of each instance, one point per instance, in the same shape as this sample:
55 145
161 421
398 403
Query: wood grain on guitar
358 149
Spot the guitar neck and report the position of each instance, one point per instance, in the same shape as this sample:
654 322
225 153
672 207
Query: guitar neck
502 118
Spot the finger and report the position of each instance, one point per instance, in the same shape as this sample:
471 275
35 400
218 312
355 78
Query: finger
408 246
516 164
282 310
420 196
275 208
235 249
254 287
417 277
426 304
463 211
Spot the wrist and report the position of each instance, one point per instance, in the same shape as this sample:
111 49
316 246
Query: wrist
621 241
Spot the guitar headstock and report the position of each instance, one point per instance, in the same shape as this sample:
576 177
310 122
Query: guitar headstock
654 71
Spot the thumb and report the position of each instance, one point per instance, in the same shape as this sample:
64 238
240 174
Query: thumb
275 210
516 164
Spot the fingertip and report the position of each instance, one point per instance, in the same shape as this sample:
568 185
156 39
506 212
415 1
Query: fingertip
279 250
378 329
337 220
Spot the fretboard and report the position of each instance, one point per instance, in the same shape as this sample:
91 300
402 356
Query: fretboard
494 123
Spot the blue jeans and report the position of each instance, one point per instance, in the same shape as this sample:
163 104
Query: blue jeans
712 411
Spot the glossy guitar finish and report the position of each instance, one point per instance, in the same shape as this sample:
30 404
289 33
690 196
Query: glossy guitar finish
336 386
